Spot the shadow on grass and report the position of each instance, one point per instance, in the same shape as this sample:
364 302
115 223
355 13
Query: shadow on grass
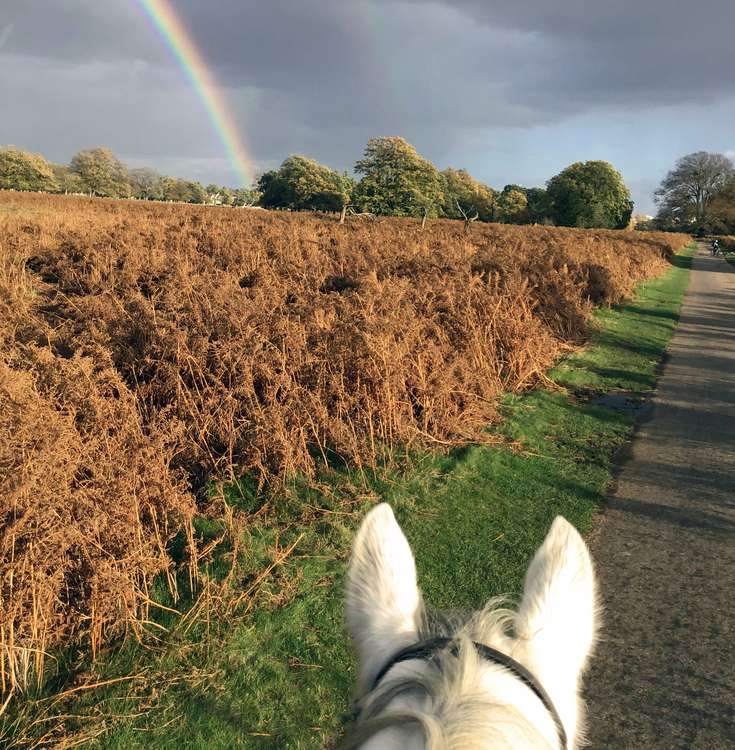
681 261
613 374
619 342
649 312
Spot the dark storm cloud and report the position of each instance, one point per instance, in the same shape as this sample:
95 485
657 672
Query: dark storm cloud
342 71
546 58
58 107
321 76
77 30
338 73
668 50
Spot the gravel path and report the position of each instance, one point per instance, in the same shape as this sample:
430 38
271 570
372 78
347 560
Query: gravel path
664 673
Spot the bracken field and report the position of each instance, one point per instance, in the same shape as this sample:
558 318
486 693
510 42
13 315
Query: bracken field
150 351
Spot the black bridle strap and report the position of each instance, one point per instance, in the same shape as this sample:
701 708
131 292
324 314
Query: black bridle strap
426 649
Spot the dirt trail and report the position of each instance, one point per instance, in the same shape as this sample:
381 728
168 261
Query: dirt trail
664 674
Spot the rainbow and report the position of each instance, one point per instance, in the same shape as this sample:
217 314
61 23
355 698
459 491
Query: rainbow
179 41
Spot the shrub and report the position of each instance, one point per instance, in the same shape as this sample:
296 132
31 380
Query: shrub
147 349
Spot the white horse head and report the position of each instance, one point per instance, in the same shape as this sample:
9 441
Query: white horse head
453 695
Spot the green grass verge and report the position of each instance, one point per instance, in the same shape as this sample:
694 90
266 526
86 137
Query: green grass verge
281 675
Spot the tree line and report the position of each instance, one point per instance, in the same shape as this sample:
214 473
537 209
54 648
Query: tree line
98 172
391 179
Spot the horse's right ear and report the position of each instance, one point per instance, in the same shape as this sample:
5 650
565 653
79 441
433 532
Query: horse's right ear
556 624
383 600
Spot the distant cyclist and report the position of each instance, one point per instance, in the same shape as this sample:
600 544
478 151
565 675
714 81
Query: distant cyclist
715 247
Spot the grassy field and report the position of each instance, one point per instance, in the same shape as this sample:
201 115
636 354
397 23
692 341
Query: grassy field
272 668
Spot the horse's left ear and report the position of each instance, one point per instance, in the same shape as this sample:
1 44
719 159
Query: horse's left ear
383 600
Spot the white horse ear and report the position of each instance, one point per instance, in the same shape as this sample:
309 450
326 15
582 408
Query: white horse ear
383 600
556 621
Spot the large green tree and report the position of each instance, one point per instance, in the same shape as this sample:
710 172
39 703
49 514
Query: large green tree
146 184
461 192
396 180
538 210
301 183
590 194
722 208
174 189
21 170
219 195
101 172
183 191
245 197
68 181
688 190
197 193
512 205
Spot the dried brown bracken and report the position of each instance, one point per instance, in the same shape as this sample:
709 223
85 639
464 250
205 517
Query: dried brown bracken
148 348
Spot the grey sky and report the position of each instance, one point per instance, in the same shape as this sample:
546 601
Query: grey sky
512 91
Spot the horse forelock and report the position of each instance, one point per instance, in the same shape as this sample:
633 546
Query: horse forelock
443 703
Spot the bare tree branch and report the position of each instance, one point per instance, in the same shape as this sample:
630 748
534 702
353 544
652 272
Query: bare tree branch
467 219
